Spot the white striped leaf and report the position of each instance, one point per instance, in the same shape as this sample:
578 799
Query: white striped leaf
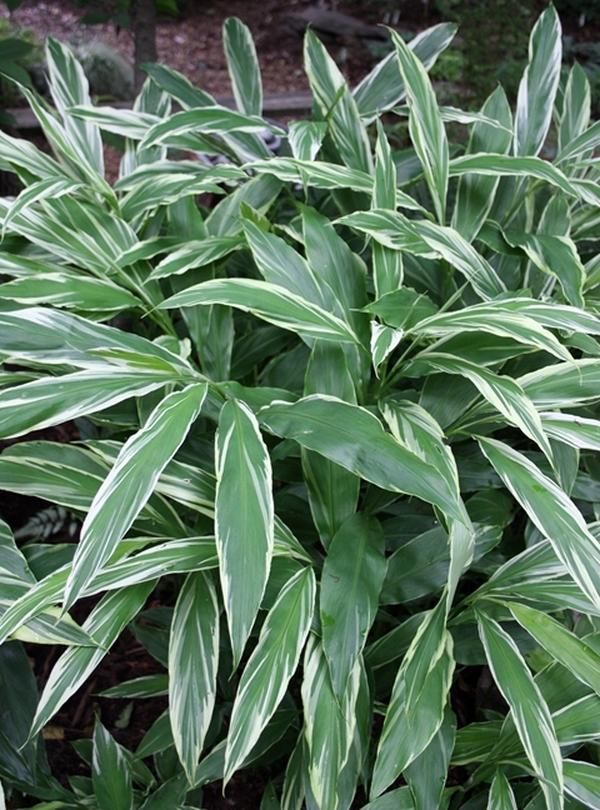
28 161
349 596
48 188
47 336
500 321
337 105
417 704
584 143
79 233
576 431
242 64
384 87
166 190
329 725
582 661
196 253
70 291
283 266
390 229
582 781
130 483
552 512
354 438
425 125
54 400
131 124
244 516
203 120
268 301
273 662
528 708
384 339
539 84
557 256
193 663
317 174
498 165
550 314
305 138
173 557
68 147
387 264
501 391
69 86
501 796
563 385
451 246
105 623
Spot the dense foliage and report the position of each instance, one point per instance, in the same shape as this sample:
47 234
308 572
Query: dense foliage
338 411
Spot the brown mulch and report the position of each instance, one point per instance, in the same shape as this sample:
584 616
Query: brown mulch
192 43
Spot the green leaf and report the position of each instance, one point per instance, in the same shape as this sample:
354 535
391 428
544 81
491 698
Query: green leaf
244 516
475 194
268 301
130 483
354 438
111 776
417 704
539 84
273 662
402 308
193 662
332 490
528 708
582 661
426 775
242 65
501 796
576 105
425 125
552 512
350 586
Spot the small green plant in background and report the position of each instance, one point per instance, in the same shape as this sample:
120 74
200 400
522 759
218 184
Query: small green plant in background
343 415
